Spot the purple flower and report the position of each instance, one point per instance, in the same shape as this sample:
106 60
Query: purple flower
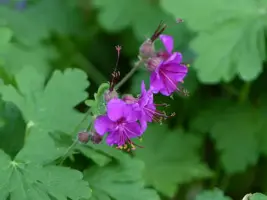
167 69
120 123
144 107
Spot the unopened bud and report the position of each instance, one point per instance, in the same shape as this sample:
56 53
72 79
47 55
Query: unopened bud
95 138
83 137
153 62
147 49
129 99
110 95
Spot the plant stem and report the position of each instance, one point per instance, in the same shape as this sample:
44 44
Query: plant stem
66 154
125 78
72 146
243 95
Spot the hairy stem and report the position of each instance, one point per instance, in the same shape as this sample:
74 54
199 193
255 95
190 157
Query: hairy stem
125 78
72 146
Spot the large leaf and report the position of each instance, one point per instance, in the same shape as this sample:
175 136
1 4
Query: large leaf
27 181
143 16
119 182
50 106
170 158
230 42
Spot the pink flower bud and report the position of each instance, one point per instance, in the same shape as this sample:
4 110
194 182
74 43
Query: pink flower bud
147 49
83 137
110 95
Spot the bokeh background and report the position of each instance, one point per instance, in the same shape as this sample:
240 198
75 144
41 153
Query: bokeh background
214 148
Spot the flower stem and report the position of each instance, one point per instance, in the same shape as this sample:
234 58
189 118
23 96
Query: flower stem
72 146
125 78
67 153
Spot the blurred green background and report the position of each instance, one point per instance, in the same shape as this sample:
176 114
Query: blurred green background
218 138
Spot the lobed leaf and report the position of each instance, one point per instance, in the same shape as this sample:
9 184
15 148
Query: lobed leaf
28 181
229 43
175 159
119 182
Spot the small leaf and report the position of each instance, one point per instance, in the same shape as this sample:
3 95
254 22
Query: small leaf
98 105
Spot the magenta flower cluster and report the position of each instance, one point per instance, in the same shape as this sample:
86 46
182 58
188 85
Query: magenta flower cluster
127 118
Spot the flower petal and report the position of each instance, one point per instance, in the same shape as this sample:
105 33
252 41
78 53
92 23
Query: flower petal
143 124
116 138
170 85
176 72
129 112
133 130
167 41
103 124
115 109
155 82
176 57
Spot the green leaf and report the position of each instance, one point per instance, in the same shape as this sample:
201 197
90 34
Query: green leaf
27 181
214 194
31 26
5 36
237 125
119 182
99 158
16 57
258 196
228 43
48 107
98 105
170 158
143 16
12 137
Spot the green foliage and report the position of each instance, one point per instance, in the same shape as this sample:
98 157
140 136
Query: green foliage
28 181
142 16
64 20
119 182
214 194
216 140
97 105
165 170
44 105
229 43
258 196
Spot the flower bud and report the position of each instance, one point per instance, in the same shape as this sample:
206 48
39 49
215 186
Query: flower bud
147 49
129 99
95 138
110 95
83 137
153 62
